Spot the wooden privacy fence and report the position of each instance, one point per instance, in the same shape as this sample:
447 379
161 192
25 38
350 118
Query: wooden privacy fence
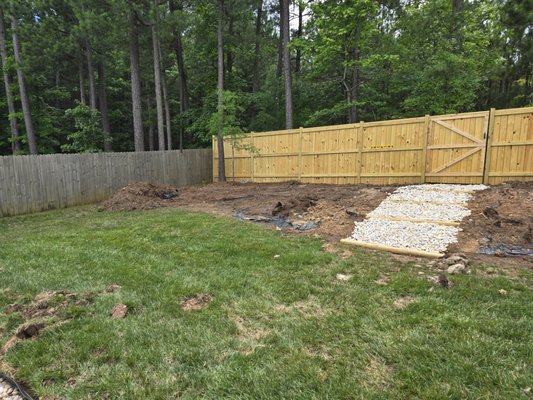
35 183
479 147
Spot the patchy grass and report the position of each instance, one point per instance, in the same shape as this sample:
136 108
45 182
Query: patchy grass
275 327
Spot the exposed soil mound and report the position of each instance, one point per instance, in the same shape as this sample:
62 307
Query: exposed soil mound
142 196
501 222
196 302
297 205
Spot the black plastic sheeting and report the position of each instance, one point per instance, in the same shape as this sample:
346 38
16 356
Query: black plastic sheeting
501 249
275 220
21 392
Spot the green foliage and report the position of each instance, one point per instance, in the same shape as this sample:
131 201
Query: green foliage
205 125
411 57
88 137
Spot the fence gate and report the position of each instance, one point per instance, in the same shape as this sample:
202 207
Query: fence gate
456 148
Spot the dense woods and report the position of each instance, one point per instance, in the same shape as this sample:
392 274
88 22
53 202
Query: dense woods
121 75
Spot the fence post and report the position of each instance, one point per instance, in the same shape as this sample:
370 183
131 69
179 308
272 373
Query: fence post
252 150
488 146
233 159
360 151
425 147
215 164
300 154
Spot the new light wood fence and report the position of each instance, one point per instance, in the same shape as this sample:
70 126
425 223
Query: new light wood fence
479 147
35 183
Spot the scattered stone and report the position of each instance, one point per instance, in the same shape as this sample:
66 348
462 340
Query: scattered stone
346 254
119 311
456 269
344 277
113 288
484 241
196 302
382 281
457 258
441 280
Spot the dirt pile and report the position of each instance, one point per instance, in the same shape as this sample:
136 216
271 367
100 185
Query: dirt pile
294 206
501 222
142 196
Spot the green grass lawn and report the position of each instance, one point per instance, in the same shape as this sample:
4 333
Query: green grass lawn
278 327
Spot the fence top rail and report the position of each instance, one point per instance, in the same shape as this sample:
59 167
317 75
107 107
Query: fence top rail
99 154
401 121
510 111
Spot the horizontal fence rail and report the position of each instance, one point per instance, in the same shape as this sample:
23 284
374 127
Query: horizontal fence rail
479 147
36 183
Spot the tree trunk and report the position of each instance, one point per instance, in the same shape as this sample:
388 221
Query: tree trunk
183 88
151 136
158 93
166 104
354 89
90 71
257 54
102 98
220 109
13 122
25 101
286 63
80 76
138 134
301 8
229 53
279 68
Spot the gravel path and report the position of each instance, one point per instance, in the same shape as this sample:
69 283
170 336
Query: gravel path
435 206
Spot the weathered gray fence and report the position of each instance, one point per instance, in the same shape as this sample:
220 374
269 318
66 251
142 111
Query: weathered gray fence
36 183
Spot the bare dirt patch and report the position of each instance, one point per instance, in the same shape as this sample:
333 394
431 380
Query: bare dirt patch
501 225
119 311
378 373
250 334
403 301
142 196
196 302
334 208
501 215
44 311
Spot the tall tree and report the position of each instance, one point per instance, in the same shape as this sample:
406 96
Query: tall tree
24 99
135 70
90 72
220 89
81 78
104 111
13 123
157 81
299 33
257 47
184 102
284 5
